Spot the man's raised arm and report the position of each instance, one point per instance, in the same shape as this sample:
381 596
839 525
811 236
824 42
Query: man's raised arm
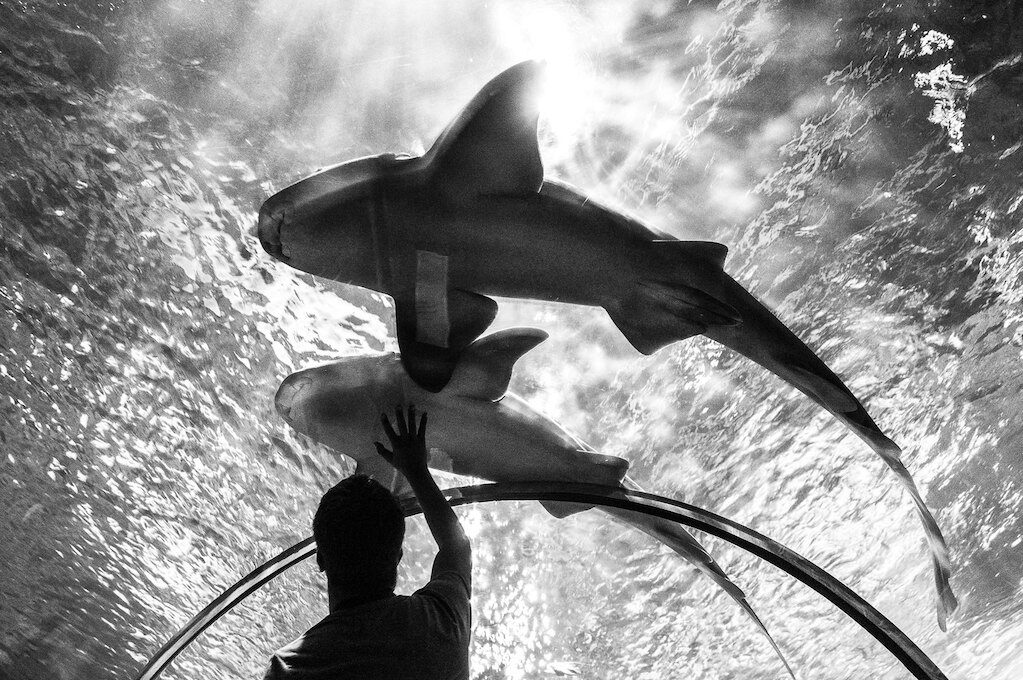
409 456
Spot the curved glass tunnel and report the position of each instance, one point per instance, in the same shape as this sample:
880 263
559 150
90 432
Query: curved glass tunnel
641 505
861 160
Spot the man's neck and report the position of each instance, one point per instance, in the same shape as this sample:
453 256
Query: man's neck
339 599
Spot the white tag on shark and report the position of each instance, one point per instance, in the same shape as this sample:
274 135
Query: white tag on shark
432 323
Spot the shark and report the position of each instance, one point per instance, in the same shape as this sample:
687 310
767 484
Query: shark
475 218
476 428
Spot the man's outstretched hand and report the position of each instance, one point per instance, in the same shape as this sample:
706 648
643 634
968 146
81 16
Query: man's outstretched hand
409 457
408 445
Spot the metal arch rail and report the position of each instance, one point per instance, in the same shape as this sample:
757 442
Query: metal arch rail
651 505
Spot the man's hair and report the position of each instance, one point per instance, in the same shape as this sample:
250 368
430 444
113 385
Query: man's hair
359 529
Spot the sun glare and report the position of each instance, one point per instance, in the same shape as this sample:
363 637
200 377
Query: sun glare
549 32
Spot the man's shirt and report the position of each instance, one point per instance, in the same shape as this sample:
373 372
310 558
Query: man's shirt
423 636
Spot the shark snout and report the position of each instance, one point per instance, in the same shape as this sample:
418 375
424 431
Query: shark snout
268 229
289 397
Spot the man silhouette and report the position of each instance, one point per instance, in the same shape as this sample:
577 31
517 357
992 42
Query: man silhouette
370 632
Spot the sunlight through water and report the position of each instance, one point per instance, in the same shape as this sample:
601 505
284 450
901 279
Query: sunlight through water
861 161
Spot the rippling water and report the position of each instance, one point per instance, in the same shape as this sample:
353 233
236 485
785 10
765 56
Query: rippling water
861 160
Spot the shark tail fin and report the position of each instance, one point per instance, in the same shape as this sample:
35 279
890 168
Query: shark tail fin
941 563
688 547
770 639
658 313
561 509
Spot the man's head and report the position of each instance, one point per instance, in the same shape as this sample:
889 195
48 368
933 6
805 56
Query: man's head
359 529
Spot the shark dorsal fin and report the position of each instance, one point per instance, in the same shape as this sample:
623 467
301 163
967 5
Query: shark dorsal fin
491 147
484 369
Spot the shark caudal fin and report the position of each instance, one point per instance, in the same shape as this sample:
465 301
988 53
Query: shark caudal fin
941 563
693 295
767 341
689 548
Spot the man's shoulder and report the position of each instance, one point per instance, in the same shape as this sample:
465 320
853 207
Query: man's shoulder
328 644
449 578
427 631
447 599
309 640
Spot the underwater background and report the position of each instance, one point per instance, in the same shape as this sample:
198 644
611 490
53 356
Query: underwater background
861 160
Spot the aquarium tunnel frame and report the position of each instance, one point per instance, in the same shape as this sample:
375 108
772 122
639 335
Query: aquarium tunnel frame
652 505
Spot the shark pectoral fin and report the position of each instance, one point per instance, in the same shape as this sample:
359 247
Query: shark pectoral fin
593 468
491 147
469 314
485 367
447 317
686 545
561 510
657 314
434 329
429 365
379 469
432 313
689 548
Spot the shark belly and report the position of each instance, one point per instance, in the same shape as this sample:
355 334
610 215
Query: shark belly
486 439
515 246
